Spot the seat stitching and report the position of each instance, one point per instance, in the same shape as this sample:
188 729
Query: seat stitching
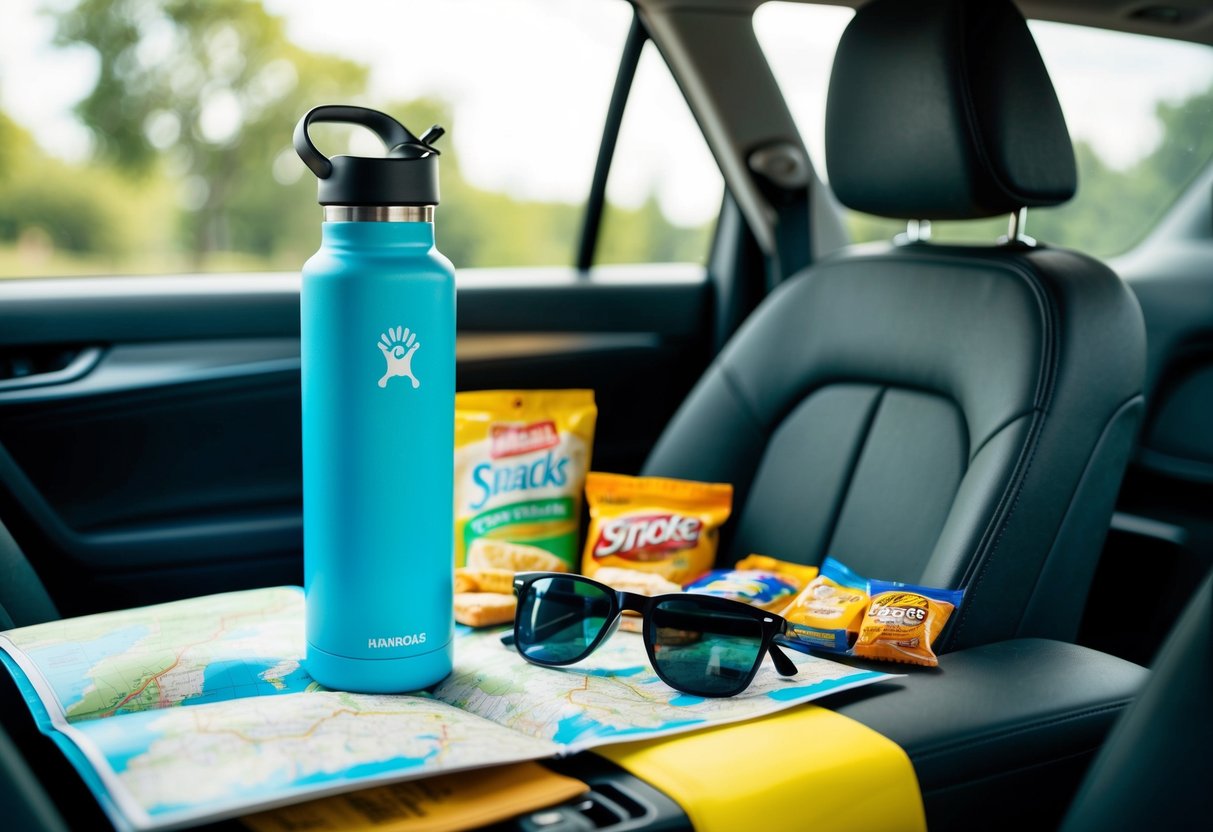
1046 382
992 434
1136 398
991 538
985 552
852 467
972 119
985 739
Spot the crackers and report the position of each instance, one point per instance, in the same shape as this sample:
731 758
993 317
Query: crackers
484 589
641 583
484 580
484 609
633 580
516 557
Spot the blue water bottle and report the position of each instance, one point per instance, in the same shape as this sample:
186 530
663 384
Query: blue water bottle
378 350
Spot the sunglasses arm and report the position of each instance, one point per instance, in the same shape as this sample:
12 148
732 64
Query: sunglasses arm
783 665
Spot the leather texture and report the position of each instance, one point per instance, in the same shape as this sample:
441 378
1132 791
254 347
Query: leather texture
23 598
1153 773
1001 732
24 804
943 109
951 416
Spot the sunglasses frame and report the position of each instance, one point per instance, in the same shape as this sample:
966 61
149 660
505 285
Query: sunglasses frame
773 627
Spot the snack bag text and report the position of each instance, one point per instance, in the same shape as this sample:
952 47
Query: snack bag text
521 457
654 524
903 620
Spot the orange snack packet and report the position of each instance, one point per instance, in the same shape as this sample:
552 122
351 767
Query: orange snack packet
652 524
902 622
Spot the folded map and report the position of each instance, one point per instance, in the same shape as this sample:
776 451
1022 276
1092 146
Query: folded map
201 709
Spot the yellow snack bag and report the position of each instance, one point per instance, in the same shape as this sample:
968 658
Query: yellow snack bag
521 457
827 612
902 622
652 524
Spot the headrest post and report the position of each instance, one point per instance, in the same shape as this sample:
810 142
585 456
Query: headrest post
1015 229
917 231
1018 220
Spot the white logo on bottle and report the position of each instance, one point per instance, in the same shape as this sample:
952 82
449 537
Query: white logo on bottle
398 346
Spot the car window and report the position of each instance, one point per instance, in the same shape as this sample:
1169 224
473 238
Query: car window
1140 111
158 136
664 190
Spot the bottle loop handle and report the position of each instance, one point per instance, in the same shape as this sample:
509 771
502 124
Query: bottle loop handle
396 138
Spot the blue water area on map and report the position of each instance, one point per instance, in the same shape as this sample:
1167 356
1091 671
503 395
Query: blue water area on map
242 678
611 671
282 784
367 770
579 727
121 740
275 784
801 691
66 665
684 700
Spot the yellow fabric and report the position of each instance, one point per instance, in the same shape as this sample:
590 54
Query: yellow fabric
444 803
807 768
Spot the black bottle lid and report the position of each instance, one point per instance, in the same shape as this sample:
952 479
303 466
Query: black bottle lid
407 175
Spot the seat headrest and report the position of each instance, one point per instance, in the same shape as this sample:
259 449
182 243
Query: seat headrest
943 109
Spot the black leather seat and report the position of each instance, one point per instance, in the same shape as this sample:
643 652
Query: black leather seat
23 597
1154 771
948 415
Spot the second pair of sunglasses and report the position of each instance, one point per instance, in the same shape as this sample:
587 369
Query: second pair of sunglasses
697 644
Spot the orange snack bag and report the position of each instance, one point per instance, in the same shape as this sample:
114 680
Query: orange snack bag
652 524
902 622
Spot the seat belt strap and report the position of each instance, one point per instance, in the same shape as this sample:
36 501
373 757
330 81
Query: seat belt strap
781 170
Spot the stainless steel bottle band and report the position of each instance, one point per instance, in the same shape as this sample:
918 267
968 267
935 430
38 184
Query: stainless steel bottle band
379 213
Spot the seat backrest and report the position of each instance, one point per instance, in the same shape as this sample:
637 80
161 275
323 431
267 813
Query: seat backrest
1154 771
955 416
23 597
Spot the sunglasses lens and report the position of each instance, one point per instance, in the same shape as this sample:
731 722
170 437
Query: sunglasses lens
559 618
704 650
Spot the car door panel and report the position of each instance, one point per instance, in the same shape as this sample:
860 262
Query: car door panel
167 462
1161 540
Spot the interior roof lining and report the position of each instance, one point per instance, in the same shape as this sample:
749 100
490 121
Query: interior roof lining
1104 14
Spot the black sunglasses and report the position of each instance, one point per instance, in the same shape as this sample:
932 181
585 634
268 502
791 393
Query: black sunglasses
698 644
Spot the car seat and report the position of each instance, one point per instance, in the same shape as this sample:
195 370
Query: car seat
958 416
23 597
1153 771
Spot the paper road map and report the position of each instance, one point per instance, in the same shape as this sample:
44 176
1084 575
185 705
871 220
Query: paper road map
200 709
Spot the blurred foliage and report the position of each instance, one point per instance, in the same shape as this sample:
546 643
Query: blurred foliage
205 93
192 170
1113 209
47 205
640 235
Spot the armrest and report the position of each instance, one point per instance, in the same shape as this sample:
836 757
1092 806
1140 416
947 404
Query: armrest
1003 732
999 735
